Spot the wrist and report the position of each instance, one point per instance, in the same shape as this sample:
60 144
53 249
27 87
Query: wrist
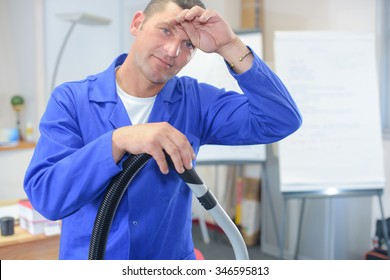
237 55
117 151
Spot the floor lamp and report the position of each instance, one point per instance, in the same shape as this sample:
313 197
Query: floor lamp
75 18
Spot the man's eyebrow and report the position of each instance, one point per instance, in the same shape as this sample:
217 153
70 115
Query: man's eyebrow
173 24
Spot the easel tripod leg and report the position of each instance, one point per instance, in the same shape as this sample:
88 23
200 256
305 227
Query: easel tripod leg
272 208
282 230
300 228
384 224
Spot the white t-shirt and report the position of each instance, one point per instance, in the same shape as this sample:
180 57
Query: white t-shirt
137 108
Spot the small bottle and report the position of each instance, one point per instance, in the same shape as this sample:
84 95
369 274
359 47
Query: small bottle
29 132
375 242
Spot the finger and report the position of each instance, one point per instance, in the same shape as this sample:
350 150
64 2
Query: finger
190 14
186 155
185 150
180 151
161 161
181 16
175 144
206 16
174 22
178 156
202 16
168 140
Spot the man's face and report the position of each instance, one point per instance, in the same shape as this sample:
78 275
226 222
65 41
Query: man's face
162 47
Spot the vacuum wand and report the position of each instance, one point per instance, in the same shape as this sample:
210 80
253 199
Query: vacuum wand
210 203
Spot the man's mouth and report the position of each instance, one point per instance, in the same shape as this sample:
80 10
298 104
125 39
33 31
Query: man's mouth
164 63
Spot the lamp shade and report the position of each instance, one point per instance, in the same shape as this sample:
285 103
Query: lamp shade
84 18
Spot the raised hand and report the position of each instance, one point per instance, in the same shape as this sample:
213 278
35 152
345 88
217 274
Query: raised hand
206 29
209 32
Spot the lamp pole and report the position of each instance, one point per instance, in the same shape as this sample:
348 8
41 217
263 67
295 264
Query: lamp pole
53 80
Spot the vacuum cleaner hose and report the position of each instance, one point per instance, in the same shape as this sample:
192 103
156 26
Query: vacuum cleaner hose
110 202
117 187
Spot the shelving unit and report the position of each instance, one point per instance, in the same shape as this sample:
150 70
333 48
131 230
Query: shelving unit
25 246
22 145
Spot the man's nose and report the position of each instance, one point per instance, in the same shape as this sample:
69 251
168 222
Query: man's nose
173 48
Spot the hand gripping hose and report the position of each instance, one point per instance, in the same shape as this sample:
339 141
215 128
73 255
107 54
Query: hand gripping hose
118 186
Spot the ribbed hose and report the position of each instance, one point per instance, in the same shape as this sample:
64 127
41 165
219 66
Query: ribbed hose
109 205
117 187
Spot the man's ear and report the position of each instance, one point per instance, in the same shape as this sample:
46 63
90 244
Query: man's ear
137 22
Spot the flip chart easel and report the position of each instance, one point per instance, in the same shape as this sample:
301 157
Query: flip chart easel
338 150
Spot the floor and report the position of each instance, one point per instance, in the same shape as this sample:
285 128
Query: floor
219 247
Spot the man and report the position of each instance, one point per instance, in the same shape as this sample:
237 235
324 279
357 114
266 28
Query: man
136 106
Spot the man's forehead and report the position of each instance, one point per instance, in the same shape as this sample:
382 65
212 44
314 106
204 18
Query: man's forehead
169 20
170 10
173 24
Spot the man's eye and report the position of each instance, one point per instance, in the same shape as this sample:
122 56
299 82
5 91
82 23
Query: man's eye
165 30
188 45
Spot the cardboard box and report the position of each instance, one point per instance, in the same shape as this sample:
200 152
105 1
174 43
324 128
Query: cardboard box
249 209
252 14
32 221
239 197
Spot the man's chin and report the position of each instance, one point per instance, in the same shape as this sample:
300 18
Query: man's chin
161 78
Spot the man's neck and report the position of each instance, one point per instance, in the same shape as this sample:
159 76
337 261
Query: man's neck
135 84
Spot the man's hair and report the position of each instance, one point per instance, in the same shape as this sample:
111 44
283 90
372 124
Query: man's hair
159 5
